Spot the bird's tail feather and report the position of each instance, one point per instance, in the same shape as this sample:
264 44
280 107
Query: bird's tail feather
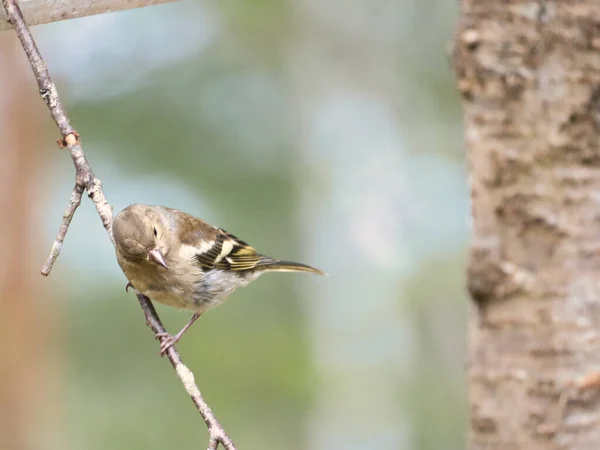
273 265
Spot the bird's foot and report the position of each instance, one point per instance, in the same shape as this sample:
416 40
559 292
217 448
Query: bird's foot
129 285
166 341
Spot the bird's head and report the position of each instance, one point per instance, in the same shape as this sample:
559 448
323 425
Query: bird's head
140 233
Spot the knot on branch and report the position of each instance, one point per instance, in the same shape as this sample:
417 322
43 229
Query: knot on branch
69 140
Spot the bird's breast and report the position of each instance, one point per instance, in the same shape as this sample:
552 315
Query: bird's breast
184 286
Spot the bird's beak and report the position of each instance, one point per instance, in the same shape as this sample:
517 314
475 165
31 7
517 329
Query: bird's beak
157 257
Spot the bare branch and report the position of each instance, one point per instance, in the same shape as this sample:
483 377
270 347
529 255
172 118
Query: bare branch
74 203
216 433
86 180
45 11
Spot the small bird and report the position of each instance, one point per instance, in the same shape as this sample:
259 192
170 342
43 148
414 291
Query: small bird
179 260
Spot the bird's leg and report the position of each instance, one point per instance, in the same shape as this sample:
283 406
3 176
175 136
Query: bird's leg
167 340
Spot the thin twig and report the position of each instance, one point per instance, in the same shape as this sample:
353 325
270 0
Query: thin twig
86 180
74 203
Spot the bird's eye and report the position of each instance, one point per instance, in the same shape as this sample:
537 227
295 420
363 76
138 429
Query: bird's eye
155 232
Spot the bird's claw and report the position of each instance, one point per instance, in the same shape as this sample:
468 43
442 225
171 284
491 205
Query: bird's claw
129 285
166 342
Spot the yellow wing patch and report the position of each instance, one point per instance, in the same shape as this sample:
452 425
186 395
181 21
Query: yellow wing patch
230 253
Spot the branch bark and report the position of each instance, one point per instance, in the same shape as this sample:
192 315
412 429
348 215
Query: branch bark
37 12
85 180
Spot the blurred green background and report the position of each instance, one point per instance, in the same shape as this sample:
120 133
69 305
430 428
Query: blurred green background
324 132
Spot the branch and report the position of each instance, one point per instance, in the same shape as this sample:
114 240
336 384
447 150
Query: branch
215 430
74 203
37 12
85 180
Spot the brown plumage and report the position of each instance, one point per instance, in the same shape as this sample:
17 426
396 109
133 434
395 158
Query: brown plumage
179 260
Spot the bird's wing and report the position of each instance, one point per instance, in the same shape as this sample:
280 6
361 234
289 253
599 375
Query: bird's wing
233 254
215 248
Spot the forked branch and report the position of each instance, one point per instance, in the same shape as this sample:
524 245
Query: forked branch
85 180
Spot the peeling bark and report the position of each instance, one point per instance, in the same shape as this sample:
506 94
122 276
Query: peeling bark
529 76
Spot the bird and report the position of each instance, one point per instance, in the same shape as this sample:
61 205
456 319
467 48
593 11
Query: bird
181 261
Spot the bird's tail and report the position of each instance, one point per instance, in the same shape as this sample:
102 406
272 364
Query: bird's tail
273 265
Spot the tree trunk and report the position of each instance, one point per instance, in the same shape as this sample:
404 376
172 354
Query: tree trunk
529 74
